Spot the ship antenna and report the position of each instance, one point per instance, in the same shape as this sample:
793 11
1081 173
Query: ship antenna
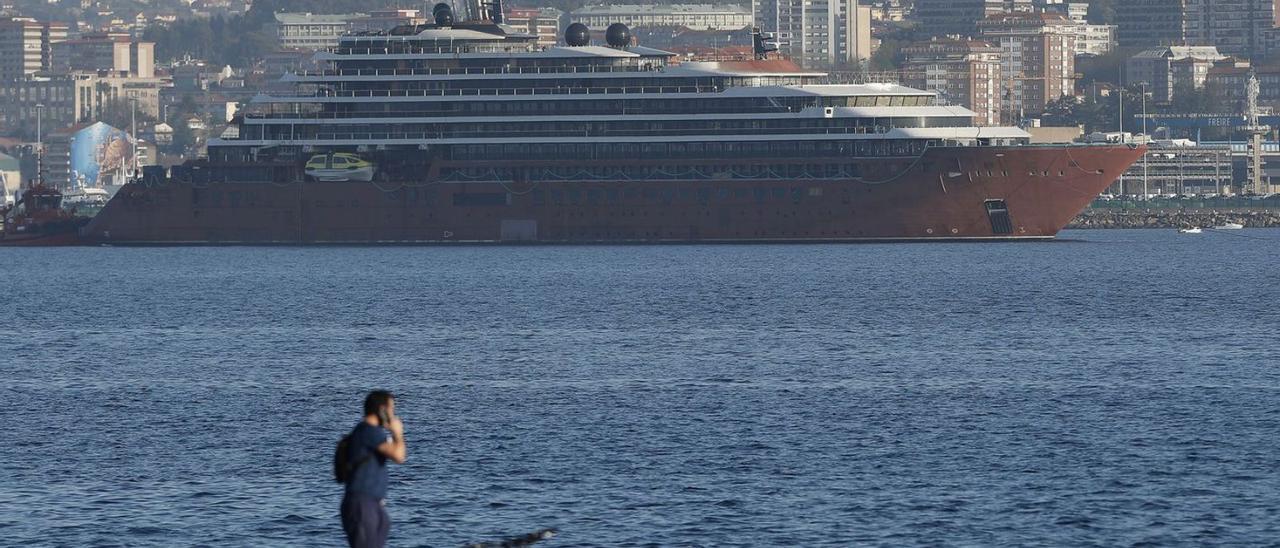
495 12
762 44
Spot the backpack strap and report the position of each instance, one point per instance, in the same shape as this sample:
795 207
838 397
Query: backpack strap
351 468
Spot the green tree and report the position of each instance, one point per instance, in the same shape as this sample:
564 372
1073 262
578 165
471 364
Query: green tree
1069 111
119 114
1103 68
887 57
183 139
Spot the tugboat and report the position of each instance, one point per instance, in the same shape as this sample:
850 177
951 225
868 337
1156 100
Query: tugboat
37 218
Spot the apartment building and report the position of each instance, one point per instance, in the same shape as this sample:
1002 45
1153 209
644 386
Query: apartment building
962 71
26 45
960 17
1235 27
1038 59
690 16
312 31
1150 23
541 22
1170 69
77 97
112 52
821 34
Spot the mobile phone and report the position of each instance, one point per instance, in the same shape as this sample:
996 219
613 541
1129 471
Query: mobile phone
383 418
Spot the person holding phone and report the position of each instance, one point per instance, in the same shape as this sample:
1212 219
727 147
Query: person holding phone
377 438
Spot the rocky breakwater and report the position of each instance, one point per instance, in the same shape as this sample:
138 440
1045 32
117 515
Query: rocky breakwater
1174 218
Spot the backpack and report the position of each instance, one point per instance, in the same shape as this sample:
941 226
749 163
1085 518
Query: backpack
342 467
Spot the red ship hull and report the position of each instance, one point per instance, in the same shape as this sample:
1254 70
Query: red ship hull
41 240
949 193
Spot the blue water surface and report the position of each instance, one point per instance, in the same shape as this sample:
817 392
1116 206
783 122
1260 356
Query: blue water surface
1116 388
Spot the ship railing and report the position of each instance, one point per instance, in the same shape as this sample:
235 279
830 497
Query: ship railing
480 92
590 69
438 135
409 50
291 113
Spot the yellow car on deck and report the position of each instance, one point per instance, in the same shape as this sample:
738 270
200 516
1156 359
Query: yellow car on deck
339 166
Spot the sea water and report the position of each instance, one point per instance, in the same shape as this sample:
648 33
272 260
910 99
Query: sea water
1112 388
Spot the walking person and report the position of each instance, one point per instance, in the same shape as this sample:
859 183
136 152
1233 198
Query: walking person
361 464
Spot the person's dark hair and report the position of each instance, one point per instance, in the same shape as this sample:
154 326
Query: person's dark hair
375 401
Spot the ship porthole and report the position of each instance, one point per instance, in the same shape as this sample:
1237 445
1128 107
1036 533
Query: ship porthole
928 231
955 231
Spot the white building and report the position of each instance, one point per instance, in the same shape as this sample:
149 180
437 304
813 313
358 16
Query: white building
691 16
10 179
542 22
1095 39
312 31
26 45
818 33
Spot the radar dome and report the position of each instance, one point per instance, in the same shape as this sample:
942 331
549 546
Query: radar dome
618 35
577 35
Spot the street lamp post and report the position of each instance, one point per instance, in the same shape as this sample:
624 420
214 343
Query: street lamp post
1146 140
1121 94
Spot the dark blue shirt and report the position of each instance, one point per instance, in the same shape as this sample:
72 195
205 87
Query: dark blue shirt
370 477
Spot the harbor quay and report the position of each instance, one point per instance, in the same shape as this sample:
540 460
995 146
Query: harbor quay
1254 213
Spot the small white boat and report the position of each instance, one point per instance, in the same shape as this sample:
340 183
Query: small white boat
86 197
1229 226
1192 230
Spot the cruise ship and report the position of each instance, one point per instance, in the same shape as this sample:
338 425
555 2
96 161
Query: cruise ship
471 132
